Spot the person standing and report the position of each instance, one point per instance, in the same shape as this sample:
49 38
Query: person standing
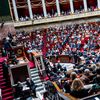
5 70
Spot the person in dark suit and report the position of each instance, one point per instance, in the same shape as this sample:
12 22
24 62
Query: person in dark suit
96 79
59 67
7 44
31 85
4 52
13 57
10 36
18 89
5 70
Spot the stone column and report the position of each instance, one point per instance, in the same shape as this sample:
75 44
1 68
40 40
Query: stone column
30 9
85 5
71 6
98 3
44 8
58 7
41 59
15 10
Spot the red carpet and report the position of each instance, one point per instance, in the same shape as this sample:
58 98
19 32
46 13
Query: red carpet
2 59
5 87
31 65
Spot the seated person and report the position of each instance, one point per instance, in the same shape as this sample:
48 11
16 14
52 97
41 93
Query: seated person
31 85
66 87
77 89
14 60
96 79
18 89
59 67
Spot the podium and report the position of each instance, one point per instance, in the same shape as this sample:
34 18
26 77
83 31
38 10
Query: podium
38 60
19 72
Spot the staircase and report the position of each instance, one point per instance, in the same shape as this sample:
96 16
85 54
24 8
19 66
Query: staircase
6 89
7 93
36 78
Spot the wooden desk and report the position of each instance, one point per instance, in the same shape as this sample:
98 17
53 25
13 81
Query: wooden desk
22 60
61 58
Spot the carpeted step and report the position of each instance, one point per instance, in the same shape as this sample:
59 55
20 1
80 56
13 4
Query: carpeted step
3 87
2 80
8 98
1 73
2 83
0 67
1 70
6 90
7 94
1 76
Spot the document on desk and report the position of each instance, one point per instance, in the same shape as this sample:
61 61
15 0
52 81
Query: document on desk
25 88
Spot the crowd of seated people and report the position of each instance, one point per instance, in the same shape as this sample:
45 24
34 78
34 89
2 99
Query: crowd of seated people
83 80
81 40
26 18
77 40
54 14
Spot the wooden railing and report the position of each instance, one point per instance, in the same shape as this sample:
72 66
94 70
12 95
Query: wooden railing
67 95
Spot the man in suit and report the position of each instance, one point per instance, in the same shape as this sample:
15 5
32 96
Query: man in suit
4 52
5 69
31 85
18 89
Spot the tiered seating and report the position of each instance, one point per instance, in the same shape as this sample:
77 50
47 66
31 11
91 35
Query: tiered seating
69 37
78 40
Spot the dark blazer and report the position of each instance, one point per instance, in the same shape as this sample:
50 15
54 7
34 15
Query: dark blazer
79 94
31 85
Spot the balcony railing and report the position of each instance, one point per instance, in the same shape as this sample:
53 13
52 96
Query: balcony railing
58 19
